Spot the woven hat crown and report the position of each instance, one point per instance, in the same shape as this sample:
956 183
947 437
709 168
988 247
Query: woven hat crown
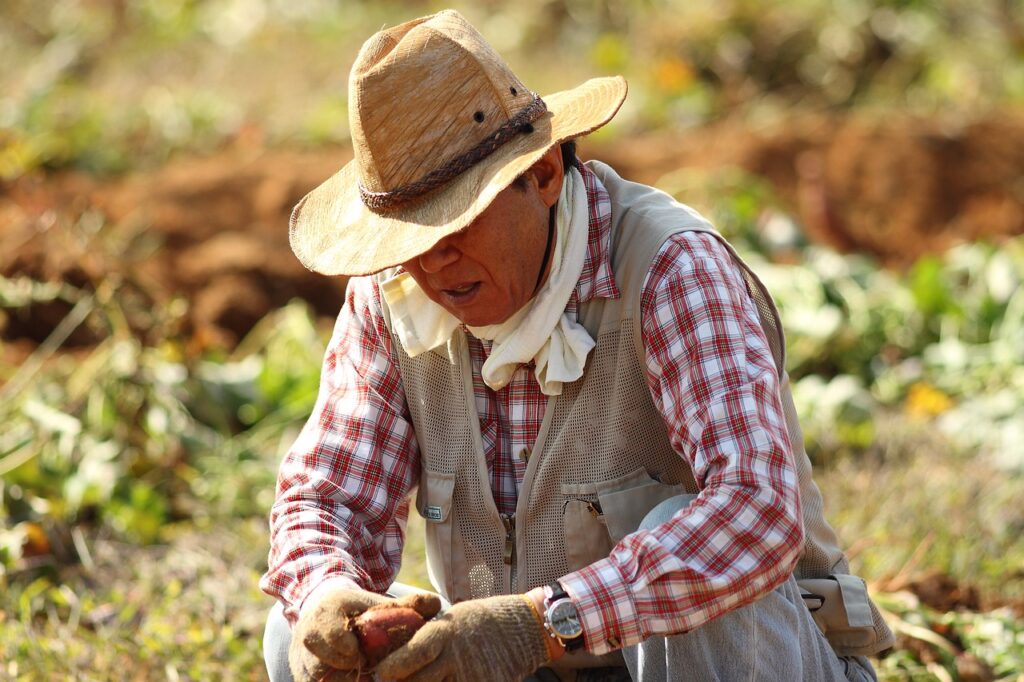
422 95
440 126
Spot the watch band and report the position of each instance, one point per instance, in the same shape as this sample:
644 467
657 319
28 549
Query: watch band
556 592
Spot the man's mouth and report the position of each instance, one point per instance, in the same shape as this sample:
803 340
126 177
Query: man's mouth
462 294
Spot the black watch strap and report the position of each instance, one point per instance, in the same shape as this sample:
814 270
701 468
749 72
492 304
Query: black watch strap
557 591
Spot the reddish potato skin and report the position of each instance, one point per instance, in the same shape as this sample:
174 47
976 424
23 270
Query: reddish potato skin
383 629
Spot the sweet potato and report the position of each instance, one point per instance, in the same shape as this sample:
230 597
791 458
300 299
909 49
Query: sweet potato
382 629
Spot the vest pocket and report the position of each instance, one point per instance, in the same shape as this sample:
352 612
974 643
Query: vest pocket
434 504
586 534
597 515
842 611
627 500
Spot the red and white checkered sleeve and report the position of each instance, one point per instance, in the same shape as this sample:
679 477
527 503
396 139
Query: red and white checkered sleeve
712 377
341 504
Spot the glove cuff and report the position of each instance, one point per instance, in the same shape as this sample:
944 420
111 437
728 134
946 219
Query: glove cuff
518 615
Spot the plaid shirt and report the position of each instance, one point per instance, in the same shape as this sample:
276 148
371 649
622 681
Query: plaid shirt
342 499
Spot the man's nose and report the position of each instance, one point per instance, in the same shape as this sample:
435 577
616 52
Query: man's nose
440 255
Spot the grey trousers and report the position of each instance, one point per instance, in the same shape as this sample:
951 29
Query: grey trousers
772 640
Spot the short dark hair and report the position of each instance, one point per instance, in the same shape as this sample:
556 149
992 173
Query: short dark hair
569 160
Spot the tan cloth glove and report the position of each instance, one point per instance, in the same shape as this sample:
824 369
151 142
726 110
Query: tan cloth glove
325 649
497 639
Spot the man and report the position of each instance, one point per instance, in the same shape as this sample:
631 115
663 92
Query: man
582 383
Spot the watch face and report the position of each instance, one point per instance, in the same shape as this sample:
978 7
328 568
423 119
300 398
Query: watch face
564 619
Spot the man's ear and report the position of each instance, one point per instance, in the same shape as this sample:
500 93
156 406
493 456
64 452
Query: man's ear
547 172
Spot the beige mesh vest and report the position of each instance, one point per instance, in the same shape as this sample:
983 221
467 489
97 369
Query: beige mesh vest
602 458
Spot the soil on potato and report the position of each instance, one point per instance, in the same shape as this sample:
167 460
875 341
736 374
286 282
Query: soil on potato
213 230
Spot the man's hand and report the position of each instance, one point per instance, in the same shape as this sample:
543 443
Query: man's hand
324 646
499 639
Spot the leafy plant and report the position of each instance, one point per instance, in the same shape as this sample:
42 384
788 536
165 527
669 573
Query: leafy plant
142 436
945 343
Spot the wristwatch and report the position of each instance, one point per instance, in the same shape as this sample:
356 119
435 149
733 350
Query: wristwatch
561 619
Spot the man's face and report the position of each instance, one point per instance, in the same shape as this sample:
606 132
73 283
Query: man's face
485 273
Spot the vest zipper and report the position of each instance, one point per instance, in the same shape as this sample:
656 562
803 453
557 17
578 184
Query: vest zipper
509 521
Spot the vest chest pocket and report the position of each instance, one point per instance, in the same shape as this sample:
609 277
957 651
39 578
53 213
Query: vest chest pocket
434 504
627 501
586 531
597 515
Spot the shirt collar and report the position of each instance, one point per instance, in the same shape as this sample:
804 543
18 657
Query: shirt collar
596 279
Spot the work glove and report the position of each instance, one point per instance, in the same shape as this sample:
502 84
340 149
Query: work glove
498 639
324 647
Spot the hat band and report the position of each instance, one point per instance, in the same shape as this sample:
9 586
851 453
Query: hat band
382 202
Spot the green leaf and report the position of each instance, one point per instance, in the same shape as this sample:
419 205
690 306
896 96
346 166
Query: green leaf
929 285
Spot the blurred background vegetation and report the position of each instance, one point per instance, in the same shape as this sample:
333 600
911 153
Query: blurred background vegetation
159 347
112 85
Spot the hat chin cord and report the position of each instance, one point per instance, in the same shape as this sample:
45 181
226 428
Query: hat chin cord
547 247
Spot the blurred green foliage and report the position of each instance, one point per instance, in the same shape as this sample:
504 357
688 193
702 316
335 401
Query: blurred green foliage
107 85
941 343
132 437
996 638
177 611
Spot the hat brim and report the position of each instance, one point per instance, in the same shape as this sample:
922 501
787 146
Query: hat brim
334 233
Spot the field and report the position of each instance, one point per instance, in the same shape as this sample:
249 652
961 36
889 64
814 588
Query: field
160 346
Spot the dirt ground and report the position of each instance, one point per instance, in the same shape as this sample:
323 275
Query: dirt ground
213 230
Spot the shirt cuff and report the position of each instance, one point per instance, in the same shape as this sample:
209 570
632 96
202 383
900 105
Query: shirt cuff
604 600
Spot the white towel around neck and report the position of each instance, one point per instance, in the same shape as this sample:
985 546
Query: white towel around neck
539 331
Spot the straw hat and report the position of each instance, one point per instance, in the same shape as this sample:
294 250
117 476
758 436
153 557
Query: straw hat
440 125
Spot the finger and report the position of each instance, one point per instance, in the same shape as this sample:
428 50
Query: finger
305 666
424 647
440 670
426 604
334 644
335 675
361 601
349 602
312 669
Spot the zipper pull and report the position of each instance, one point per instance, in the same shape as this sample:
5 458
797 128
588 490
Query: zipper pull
509 521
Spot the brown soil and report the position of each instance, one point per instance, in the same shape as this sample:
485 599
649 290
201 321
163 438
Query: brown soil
894 187
213 230
944 593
